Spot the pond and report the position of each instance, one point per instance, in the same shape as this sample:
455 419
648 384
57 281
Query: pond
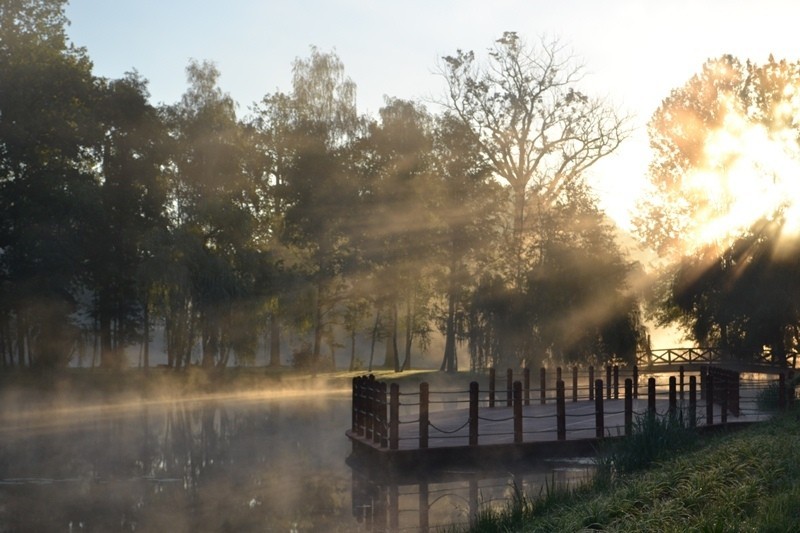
266 461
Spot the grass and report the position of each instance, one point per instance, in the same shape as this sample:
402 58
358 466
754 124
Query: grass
743 481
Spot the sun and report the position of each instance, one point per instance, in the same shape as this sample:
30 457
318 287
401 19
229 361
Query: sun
748 172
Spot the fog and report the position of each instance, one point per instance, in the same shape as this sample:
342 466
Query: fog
270 460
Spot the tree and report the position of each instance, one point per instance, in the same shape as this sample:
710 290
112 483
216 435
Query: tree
212 217
47 94
538 132
318 191
468 217
723 207
131 206
397 227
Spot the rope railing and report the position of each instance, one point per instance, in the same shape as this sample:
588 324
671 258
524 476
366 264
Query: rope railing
704 399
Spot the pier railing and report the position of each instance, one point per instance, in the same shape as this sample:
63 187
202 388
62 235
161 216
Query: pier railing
386 417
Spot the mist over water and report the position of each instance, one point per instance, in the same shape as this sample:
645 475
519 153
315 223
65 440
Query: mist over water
255 461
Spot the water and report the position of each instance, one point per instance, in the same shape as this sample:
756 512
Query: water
251 462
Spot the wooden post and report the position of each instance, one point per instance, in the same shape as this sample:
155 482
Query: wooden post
561 412
781 391
491 387
651 397
542 385
526 376
703 374
608 381
599 418
616 382
635 381
558 374
509 386
692 401
709 379
383 427
673 398
628 407
473 413
723 396
681 373
423 414
591 383
354 408
369 407
517 412
574 383
394 416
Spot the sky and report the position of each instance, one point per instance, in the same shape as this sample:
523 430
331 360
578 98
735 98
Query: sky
634 52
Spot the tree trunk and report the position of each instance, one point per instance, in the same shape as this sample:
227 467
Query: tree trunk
146 336
20 338
374 338
274 341
392 360
352 349
318 325
409 336
450 360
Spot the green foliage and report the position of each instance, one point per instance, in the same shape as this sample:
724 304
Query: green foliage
744 481
653 439
121 218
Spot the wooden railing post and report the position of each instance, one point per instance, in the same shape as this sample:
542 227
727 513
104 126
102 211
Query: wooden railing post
526 376
558 374
681 374
369 407
591 383
517 412
358 425
383 426
394 416
781 391
491 386
509 386
709 399
473 413
608 381
561 412
692 401
703 374
542 385
574 383
723 396
651 397
599 417
673 398
354 407
423 414
616 382
628 407
635 381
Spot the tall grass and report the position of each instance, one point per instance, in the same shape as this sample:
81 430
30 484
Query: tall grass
652 438
744 481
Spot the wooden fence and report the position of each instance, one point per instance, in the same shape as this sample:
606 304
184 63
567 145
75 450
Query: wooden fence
376 405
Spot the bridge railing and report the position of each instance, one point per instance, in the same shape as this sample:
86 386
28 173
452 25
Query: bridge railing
700 356
385 416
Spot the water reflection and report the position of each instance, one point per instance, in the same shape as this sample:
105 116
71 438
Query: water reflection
437 499
231 464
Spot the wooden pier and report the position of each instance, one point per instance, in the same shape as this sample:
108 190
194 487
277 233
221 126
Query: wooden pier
423 427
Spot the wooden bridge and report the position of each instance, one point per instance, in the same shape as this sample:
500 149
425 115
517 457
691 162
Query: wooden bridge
411 429
671 359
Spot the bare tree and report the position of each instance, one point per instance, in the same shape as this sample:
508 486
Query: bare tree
537 131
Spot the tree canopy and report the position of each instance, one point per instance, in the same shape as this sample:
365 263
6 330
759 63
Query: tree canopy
305 224
724 204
